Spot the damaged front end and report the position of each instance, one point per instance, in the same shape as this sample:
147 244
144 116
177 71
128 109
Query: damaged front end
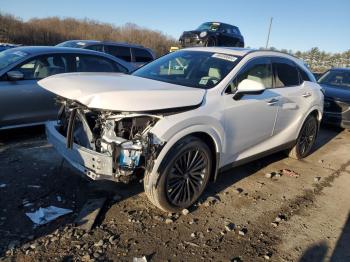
104 144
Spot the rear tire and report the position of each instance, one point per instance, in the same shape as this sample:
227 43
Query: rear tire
186 172
306 139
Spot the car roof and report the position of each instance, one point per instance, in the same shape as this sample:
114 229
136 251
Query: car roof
34 50
237 51
42 50
106 42
221 23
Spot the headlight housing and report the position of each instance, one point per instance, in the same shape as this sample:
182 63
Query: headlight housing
203 34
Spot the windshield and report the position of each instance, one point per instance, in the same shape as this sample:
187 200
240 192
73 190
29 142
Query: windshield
209 27
336 78
76 44
189 68
10 56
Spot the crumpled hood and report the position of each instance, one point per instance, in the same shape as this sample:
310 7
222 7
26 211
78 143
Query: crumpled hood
119 92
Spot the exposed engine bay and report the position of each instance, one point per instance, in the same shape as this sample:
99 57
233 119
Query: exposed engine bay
125 137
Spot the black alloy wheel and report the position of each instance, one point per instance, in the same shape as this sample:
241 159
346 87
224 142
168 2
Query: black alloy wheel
186 178
307 137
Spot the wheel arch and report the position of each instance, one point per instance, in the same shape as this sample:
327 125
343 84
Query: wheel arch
315 111
207 134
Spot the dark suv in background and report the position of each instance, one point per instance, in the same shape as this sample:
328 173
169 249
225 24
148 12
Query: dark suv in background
134 54
213 34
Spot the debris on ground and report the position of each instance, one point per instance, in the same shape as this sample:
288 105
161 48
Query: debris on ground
139 259
274 174
274 224
229 226
290 173
185 212
211 201
45 215
2 185
169 221
317 179
239 190
89 212
191 244
243 231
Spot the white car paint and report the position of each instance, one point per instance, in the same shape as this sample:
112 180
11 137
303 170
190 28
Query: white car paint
240 129
120 92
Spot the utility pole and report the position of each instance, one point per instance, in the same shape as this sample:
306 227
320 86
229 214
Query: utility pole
268 35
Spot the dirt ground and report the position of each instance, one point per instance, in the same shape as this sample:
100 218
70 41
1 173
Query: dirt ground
244 216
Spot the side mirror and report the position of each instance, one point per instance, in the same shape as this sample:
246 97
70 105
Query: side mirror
15 75
248 86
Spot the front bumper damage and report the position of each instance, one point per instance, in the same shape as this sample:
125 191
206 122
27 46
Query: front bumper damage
105 145
93 164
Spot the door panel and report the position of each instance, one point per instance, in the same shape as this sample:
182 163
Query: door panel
25 102
248 121
289 87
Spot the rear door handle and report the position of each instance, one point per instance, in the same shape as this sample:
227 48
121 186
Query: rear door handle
272 101
307 94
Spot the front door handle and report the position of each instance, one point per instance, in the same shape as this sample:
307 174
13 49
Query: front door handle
272 101
307 94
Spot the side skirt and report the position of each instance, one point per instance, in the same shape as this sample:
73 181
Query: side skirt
255 157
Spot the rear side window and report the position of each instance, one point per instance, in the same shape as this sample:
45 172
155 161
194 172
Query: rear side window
142 55
95 47
89 63
286 73
121 52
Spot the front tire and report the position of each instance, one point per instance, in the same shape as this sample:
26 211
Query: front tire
186 172
306 138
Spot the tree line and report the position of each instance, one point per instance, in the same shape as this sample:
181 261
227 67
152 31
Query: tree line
53 30
320 61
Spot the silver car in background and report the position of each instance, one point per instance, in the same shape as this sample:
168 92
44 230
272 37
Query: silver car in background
22 101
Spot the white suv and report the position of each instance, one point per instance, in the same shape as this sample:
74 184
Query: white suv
181 119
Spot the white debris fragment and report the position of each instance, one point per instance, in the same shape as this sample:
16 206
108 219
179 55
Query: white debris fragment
2 185
139 259
45 215
59 199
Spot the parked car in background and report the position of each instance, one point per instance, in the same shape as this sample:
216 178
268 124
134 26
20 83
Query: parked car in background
22 101
213 34
336 86
180 125
5 46
137 55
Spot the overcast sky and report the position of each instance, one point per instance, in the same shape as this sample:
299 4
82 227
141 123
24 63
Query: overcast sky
297 24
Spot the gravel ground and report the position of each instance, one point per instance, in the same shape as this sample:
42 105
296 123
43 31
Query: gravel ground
249 214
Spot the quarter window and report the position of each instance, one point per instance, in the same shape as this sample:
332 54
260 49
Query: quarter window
142 55
88 63
286 73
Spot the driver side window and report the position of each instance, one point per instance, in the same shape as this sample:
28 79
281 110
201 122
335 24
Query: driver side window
43 66
259 70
